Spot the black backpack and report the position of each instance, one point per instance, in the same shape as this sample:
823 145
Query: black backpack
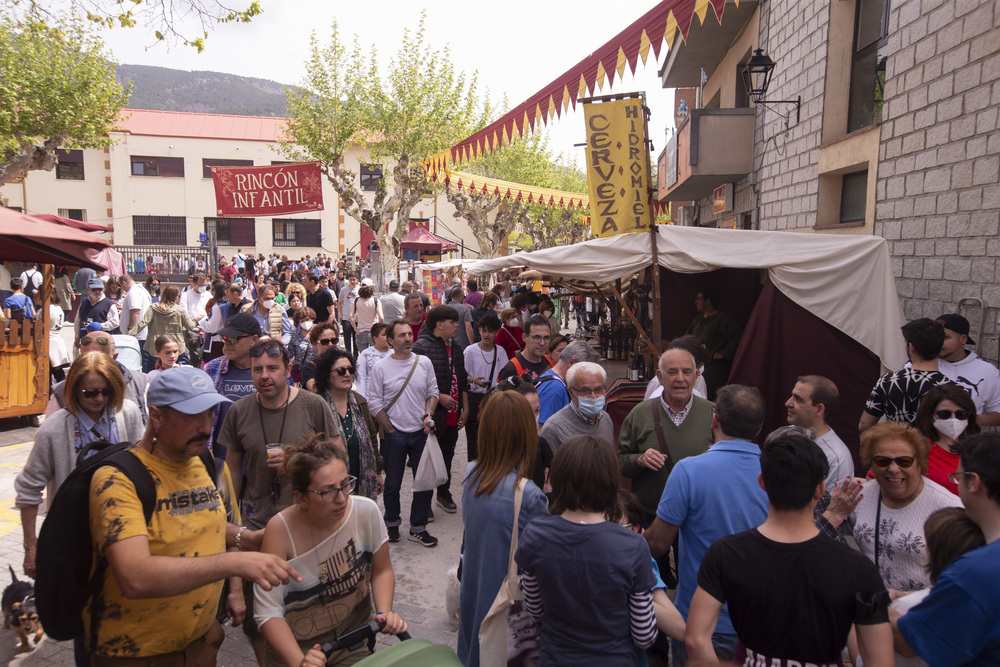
63 583
29 284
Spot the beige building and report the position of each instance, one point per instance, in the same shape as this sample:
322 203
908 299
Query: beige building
896 134
154 187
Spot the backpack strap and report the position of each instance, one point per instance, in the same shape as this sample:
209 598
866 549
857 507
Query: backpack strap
660 438
517 366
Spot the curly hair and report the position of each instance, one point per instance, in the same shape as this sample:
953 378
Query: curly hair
324 366
895 431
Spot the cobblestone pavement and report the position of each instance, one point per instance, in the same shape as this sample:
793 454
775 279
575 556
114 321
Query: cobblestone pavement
421 572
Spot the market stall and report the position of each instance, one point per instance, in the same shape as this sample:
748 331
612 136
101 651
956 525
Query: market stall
809 303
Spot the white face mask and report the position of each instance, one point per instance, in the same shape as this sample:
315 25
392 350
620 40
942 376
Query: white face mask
953 428
269 304
547 313
307 325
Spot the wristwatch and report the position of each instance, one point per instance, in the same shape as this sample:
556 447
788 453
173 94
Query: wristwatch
426 415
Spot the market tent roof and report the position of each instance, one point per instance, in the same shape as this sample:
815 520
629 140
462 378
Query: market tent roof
420 238
28 238
846 281
76 224
110 260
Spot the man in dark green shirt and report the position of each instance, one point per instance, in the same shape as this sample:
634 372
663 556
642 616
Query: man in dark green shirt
721 334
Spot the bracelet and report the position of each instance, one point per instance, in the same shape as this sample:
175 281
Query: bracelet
239 537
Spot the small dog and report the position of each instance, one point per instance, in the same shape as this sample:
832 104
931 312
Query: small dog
18 602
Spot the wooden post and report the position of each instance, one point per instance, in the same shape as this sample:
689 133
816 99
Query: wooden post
657 324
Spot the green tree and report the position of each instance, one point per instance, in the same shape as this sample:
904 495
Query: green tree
57 90
419 107
162 17
547 226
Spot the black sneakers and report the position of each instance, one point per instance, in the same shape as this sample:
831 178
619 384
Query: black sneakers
393 533
424 538
447 504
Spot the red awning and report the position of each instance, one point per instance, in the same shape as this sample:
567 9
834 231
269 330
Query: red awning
422 240
662 22
27 238
76 224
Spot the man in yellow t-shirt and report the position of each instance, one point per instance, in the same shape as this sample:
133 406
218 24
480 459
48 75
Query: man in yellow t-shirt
160 595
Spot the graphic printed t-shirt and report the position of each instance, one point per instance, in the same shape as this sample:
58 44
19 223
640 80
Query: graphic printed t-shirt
236 383
334 595
189 520
897 395
534 369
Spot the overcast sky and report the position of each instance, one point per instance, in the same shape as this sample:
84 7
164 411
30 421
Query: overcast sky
517 46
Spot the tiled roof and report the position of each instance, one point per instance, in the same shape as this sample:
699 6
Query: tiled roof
201 125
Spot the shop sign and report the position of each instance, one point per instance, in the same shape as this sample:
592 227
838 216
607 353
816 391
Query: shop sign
248 192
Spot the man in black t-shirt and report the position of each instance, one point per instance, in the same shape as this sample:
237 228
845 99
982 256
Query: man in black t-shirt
532 359
320 300
793 593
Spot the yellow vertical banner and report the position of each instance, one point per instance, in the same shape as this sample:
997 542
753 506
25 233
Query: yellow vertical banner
617 167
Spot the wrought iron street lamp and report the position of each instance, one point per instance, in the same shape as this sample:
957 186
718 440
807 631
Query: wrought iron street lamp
756 76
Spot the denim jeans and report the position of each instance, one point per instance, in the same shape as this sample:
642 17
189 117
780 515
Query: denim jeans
724 645
447 437
396 447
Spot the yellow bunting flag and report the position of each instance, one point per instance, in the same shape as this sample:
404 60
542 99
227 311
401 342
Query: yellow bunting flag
617 167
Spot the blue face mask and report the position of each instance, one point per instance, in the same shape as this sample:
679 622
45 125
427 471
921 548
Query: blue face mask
591 407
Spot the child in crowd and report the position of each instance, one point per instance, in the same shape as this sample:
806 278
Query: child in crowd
167 352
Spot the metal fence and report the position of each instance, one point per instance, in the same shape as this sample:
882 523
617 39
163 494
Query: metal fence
171 263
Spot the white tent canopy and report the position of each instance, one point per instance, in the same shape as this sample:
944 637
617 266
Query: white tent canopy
846 281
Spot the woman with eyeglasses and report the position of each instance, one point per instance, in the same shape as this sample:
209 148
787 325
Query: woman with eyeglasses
889 519
323 336
96 410
946 415
335 372
339 544
167 317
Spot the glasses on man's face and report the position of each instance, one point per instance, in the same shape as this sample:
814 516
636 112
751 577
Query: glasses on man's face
344 370
590 392
953 477
90 340
328 341
233 341
886 461
260 351
947 414
540 339
329 495
94 393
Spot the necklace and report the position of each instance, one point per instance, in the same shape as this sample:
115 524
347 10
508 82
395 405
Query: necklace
260 412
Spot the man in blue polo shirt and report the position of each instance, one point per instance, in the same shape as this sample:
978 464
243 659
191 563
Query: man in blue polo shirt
711 496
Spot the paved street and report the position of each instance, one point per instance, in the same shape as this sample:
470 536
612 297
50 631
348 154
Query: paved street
421 573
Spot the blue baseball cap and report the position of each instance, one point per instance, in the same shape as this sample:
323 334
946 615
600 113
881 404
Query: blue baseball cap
185 389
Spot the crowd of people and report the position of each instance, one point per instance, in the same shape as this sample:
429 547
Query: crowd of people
315 394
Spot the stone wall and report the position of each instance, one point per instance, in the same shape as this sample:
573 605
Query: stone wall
938 192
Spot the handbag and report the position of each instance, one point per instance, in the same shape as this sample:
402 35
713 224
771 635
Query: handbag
508 634
431 471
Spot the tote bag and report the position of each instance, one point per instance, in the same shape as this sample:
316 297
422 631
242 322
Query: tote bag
509 635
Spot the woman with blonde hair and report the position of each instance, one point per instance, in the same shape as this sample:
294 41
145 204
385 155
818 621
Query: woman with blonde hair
96 410
508 438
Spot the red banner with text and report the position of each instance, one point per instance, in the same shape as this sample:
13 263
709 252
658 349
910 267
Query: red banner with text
246 192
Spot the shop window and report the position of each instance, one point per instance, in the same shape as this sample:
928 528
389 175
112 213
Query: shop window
167 167
70 165
73 214
159 230
854 197
871 31
232 231
208 163
371 175
296 233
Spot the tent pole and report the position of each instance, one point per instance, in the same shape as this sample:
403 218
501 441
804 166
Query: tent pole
656 329
638 327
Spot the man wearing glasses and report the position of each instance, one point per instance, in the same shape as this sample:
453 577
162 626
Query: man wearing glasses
97 312
276 413
533 358
231 371
959 621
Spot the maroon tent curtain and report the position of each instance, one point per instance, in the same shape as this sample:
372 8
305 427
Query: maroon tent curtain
783 341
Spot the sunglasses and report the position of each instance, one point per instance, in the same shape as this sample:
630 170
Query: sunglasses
233 341
328 341
946 414
328 495
88 340
94 393
344 370
259 351
885 461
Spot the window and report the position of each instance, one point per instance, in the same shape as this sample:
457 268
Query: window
207 164
70 165
73 214
232 231
159 230
854 196
371 175
871 33
296 233
157 166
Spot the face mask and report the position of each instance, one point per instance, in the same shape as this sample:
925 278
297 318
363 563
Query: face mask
198 290
547 313
591 407
269 304
952 428
306 326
